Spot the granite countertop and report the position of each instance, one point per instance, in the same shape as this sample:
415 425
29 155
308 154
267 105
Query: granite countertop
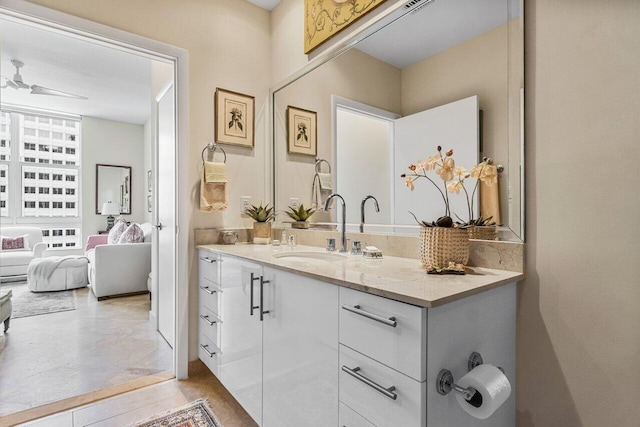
400 279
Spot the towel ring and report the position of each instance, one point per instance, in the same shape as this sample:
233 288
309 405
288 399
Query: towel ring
212 147
319 162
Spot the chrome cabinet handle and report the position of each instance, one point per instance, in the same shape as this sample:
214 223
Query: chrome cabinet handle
389 392
209 260
206 319
391 321
205 347
251 306
262 283
207 290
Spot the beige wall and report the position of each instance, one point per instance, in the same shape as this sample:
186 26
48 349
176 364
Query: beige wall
103 142
578 340
228 42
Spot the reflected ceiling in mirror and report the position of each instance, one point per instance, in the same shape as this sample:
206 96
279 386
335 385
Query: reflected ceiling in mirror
450 72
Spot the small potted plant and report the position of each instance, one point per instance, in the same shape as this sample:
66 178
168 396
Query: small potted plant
300 215
262 215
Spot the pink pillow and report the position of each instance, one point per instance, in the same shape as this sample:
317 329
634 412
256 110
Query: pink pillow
95 240
15 243
116 232
133 234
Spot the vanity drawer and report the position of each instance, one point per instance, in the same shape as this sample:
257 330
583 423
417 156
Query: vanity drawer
208 324
208 352
209 295
388 331
350 418
371 394
209 266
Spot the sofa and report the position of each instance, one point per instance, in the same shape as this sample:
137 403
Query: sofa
120 269
14 262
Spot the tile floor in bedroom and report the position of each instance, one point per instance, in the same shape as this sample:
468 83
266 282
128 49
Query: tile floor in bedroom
153 400
55 356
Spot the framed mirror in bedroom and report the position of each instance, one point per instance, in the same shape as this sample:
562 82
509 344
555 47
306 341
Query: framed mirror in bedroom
113 184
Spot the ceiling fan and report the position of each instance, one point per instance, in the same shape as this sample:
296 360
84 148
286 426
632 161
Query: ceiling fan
17 83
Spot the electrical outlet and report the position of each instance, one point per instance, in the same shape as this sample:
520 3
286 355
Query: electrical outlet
245 203
294 202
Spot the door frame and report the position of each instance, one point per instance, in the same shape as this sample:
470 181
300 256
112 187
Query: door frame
102 34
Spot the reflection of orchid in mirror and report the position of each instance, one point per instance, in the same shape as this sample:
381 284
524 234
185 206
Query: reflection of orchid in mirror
453 181
302 132
236 119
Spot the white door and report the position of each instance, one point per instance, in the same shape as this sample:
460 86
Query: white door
452 126
165 214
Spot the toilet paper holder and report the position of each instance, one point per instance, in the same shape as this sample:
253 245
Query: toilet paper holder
445 381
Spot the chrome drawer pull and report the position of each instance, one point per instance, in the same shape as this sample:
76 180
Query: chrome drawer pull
206 319
209 260
207 290
206 349
391 321
386 391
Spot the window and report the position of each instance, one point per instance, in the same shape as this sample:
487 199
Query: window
39 175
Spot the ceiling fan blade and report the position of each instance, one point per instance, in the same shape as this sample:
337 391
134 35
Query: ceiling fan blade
9 83
40 90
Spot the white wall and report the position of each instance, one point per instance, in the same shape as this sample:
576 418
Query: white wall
112 143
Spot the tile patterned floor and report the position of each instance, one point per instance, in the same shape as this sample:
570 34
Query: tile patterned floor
56 356
156 399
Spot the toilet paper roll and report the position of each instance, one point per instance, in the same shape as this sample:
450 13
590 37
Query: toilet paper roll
493 388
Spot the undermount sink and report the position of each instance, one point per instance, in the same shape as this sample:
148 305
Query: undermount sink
308 255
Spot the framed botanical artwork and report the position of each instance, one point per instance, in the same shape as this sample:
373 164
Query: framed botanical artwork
235 118
302 131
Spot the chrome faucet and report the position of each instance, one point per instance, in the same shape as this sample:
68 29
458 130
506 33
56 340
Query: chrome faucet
344 218
364 201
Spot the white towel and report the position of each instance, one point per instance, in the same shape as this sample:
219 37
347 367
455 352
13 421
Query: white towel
215 172
325 181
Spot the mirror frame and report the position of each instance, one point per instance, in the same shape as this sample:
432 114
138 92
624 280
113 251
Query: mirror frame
369 30
99 208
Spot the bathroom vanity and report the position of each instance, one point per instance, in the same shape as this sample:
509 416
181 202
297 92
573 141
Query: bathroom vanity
309 338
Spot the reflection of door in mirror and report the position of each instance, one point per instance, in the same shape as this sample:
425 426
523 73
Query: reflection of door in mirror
372 151
113 184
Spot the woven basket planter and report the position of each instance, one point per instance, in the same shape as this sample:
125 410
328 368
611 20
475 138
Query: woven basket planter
485 232
440 246
262 230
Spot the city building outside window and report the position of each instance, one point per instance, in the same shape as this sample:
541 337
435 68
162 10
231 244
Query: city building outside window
40 175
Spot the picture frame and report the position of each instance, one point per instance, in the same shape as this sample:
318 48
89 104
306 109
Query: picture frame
149 181
149 203
234 118
302 131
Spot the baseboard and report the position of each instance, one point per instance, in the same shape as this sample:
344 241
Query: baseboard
129 294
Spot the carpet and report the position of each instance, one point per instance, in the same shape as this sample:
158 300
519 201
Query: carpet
26 303
194 414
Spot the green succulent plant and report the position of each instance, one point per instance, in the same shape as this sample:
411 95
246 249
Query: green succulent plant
260 213
300 214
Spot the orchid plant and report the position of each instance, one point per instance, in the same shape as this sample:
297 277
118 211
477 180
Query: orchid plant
453 181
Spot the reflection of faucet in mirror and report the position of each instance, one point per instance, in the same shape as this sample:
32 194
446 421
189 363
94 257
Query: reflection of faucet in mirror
344 218
364 201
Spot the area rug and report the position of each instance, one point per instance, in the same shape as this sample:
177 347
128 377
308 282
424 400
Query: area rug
194 414
26 303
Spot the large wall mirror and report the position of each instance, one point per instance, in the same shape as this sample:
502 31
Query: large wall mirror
450 73
113 184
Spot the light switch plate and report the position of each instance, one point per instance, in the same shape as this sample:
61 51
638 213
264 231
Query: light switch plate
245 204
294 202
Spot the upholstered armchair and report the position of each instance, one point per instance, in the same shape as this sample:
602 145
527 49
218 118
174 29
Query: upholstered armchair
15 262
119 269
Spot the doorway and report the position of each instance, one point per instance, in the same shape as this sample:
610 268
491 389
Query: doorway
99 35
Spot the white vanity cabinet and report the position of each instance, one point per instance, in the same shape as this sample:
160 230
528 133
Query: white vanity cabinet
300 351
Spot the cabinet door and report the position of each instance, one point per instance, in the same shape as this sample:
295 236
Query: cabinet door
300 353
240 361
